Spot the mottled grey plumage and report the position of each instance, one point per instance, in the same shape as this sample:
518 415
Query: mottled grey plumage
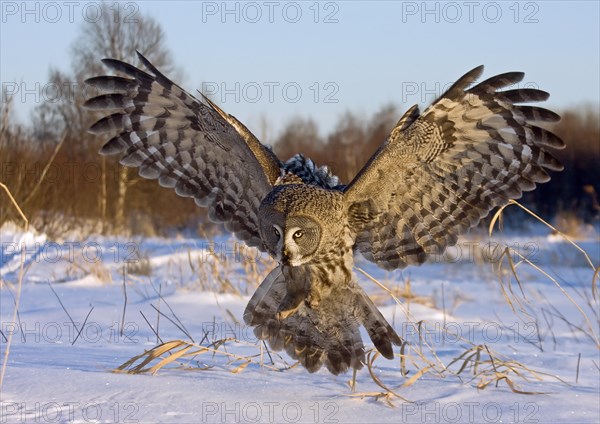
437 175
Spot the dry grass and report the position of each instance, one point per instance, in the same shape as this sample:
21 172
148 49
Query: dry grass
139 265
14 203
403 292
569 223
518 300
237 272
185 355
477 364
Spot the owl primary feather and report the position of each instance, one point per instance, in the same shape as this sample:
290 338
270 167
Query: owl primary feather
438 173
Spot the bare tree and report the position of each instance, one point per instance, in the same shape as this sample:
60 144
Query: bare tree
347 140
108 37
299 136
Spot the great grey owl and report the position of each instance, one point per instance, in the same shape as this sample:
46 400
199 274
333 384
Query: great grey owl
437 174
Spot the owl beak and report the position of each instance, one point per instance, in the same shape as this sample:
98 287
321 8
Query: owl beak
285 256
290 255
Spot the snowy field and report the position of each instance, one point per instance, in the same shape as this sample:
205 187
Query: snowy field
481 348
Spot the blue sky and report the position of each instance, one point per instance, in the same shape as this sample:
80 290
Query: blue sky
277 62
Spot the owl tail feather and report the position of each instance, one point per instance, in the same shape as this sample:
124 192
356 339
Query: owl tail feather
325 335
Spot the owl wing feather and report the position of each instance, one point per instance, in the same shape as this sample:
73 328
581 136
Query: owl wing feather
193 147
441 172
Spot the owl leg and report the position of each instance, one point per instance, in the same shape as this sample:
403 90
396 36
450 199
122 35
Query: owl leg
283 314
297 291
313 299
289 305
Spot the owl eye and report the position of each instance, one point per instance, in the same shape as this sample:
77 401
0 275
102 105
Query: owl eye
298 234
276 231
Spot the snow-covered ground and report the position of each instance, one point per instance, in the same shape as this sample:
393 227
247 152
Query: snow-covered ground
88 306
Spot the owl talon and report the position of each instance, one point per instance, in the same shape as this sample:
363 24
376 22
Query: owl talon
313 301
281 315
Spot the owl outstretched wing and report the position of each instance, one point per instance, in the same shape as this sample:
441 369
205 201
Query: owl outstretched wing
194 147
441 172
187 145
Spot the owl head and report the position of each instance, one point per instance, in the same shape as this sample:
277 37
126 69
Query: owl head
297 220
